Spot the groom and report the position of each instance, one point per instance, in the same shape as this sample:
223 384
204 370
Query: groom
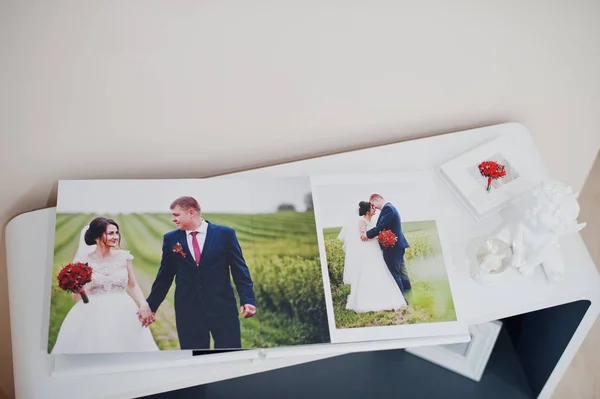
389 219
200 255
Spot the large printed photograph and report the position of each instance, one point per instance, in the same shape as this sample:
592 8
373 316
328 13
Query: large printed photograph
202 264
382 256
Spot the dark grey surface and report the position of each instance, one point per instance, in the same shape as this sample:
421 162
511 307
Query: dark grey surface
526 352
541 337
381 374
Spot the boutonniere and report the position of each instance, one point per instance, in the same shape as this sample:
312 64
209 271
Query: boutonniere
178 249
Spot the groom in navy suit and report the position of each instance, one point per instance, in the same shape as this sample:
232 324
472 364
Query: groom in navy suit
200 256
389 219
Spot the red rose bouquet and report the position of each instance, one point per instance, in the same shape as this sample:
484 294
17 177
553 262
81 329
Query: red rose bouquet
73 277
387 239
492 170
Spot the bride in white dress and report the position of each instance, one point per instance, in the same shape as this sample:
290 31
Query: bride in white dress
372 285
108 323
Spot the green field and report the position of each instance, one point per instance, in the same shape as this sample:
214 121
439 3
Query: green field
282 255
430 300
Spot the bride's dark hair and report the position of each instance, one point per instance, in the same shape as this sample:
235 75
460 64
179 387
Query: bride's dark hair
97 229
363 207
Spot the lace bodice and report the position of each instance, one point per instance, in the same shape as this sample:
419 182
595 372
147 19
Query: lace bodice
108 275
369 224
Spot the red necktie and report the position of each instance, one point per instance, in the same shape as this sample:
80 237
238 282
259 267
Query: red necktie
196 247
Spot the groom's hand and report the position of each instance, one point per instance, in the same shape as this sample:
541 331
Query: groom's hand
146 321
248 310
364 237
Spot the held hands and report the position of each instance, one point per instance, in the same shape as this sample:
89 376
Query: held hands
364 237
145 315
248 310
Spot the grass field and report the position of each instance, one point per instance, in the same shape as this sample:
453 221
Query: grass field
280 250
430 300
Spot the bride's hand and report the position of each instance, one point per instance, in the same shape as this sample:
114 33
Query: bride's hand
75 295
145 315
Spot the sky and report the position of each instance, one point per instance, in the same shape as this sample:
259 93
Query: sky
215 195
336 204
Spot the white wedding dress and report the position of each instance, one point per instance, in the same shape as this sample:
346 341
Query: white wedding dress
373 287
108 322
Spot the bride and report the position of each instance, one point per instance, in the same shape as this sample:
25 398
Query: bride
109 321
373 287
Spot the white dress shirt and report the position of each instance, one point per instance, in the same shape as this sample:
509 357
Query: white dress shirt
201 237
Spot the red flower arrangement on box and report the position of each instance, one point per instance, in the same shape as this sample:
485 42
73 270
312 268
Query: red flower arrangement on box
73 277
387 238
492 170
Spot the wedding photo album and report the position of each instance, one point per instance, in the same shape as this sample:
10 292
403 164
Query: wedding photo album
235 264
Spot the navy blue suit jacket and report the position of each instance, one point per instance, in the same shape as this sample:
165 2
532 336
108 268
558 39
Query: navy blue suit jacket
389 219
206 287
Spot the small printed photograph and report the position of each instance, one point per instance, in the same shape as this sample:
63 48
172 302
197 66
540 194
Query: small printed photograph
511 173
196 264
382 256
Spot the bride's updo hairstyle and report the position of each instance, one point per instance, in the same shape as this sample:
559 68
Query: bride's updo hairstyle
97 229
363 207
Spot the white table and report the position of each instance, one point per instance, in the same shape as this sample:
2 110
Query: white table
547 323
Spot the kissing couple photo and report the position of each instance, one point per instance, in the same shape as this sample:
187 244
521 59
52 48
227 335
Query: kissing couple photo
142 279
382 252
374 269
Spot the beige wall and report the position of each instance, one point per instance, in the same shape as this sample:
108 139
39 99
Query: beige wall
582 378
184 89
